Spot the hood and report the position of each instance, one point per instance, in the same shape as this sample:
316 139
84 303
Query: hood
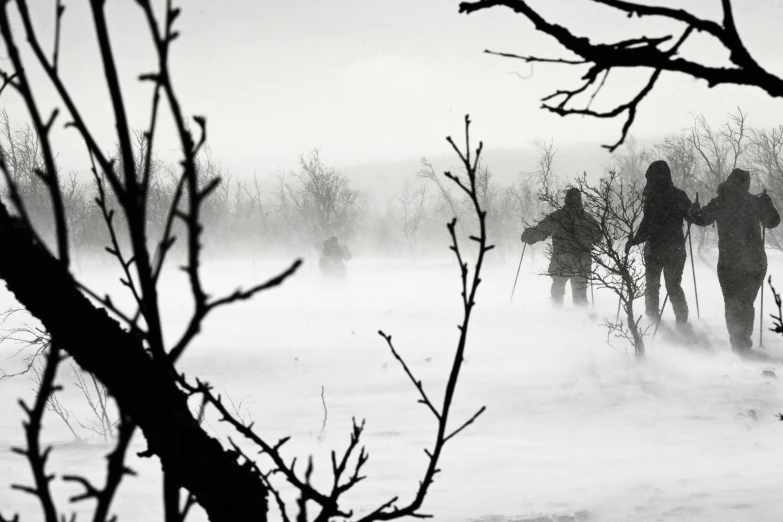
658 175
331 242
737 182
573 199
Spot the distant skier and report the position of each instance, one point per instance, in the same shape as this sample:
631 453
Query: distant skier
573 232
665 208
333 258
742 261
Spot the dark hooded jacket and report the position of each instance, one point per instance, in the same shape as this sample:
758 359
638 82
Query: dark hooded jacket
333 252
573 230
665 208
738 214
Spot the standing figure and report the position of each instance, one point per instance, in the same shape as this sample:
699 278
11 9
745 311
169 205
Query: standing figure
742 261
665 209
333 258
574 232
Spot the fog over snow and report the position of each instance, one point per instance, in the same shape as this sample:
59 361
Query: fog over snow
572 424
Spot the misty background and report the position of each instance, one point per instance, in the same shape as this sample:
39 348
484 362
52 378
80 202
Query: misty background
376 85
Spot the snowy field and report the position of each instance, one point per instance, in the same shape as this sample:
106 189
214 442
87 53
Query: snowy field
574 428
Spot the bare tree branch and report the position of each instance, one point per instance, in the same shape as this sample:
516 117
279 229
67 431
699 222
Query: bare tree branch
642 52
32 427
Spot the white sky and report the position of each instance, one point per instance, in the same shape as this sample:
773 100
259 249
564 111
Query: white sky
373 80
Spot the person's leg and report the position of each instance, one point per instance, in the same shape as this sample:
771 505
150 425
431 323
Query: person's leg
579 284
672 273
558 290
731 287
580 281
747 312
652 276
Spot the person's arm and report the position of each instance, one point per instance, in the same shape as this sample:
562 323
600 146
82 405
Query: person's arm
644 230
767 213
539 232
594 232
706 216
346 254
683 205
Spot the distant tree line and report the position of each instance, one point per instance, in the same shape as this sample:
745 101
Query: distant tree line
313 201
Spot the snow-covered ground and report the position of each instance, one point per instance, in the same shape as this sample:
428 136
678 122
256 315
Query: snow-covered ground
572 426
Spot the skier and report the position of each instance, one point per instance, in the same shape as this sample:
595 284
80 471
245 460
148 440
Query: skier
742 261
574 232
333 258
665 208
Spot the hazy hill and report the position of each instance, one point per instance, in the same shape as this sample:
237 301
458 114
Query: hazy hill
383 181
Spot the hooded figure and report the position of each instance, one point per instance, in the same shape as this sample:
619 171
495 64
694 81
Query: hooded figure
665 208
574 232
333 258
742 261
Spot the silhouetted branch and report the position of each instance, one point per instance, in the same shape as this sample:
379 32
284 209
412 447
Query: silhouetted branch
643 52
116 470
28 337
143 388
49 175
194 326
78 121
107 303
466 424
53 403
59 10
537 59
13 189
424 399
102 426
389 511
168 240
777 319
3 519
307 491
302 501
115 249
189 147
278 499
32 427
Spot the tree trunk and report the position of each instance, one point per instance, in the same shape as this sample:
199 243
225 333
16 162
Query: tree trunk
638 341
143 389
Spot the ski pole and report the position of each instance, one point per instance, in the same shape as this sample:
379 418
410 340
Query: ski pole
693 268
658 322
592 294
761 308
518 268
693 271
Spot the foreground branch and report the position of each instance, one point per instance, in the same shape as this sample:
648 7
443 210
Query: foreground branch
642 52
226 490
389 511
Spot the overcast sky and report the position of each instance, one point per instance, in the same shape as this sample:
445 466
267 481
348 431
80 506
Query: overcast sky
373 80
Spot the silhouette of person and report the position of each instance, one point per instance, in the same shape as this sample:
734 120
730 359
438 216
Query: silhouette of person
665 208
333 259
573 232
742 260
